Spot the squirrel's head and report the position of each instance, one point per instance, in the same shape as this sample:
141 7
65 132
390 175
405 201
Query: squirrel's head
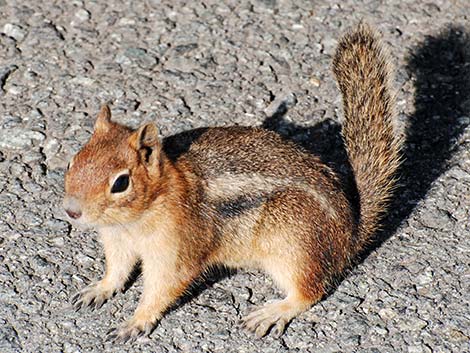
115 176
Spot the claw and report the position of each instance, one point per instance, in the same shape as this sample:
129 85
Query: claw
98 303
75 298
125 339
280 327
111 338
78 305
240 323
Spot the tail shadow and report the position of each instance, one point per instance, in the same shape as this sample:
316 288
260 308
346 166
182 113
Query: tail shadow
440 68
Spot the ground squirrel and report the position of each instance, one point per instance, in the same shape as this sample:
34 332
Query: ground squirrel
238 197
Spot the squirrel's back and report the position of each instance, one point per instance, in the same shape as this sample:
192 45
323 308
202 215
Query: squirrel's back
363 71
242 150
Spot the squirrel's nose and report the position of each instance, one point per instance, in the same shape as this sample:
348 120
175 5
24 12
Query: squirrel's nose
72 207
73 214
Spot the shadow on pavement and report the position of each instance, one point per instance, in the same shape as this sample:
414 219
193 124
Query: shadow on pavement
440 67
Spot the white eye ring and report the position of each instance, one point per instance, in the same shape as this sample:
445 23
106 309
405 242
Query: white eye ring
123 186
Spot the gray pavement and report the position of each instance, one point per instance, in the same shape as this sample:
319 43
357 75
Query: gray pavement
190 64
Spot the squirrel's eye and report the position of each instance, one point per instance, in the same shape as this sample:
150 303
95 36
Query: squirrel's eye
120 184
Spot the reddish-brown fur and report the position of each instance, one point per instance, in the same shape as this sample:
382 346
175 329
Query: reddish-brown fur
238 196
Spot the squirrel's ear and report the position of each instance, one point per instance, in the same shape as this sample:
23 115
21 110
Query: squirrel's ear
103 121
146 142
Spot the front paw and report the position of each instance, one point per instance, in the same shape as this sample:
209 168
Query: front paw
93 295
131 330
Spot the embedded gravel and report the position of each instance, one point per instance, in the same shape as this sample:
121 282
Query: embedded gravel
188 64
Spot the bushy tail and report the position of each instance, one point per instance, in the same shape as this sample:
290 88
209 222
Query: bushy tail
362 68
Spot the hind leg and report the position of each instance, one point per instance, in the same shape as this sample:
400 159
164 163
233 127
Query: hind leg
302 293
300 242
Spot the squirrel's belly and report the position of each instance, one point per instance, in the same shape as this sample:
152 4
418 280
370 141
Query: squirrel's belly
250 211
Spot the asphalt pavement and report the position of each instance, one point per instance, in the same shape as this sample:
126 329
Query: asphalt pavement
189 64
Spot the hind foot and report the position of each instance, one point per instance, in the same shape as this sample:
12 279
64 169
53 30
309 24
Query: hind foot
274 315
